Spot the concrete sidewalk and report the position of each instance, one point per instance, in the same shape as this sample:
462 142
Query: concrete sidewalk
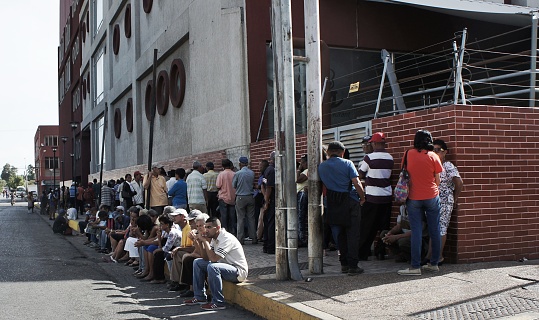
507 290
501 290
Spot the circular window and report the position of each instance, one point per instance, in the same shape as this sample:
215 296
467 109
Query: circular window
116 39
129 115
148 100
162 93
147 5
127 21
117 123
177 83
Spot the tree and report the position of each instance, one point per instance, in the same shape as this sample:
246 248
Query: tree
8 172
30 172
15 181
3 183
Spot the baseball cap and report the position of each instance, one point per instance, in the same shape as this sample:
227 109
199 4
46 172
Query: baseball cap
157 165
136 173
378 137
336 145
193 214
366 139
120 208
244 160
178 212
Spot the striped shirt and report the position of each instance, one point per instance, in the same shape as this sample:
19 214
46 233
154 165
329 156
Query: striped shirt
196 184
377 168
211 178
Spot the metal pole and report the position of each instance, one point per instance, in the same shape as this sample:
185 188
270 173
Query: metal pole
533 62
103 150
461 63
54 169
386 61
314 133
152 118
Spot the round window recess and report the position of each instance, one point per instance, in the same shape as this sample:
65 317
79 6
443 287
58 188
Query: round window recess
129 115
147 5
162 93
116 39
148 100
117 123
127 21
177 83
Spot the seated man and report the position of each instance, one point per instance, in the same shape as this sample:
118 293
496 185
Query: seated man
222 259
60 224
398 239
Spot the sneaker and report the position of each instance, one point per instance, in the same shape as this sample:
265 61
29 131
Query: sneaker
247 239
344 269
354 271
212 306
409 272
430 267
194 301
187 294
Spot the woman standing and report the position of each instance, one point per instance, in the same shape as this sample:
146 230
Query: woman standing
424 167
450 188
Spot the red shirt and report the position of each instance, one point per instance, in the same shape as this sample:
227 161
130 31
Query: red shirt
422 167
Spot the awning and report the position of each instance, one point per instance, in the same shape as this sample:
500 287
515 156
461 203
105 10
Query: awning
474 9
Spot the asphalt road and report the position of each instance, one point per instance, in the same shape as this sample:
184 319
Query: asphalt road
49 276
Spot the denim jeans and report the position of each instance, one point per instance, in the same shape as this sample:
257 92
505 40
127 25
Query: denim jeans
228 217
216 273
429 208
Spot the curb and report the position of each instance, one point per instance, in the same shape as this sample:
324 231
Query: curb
270 305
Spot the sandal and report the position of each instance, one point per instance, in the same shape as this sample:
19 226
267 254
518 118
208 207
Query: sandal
128 263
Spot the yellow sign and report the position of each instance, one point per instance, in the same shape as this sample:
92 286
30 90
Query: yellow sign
354 87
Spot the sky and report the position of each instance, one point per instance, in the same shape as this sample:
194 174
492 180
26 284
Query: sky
29 40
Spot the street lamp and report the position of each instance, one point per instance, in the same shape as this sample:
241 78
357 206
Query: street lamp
64 140
54 168
74 126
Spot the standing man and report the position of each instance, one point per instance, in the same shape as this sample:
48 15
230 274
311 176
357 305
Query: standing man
97 192
156 184
107 195
127 192
136 184
73 194
178 191
227 197
222 259
376 212
213 200
245 202
269 206
303 203
197 194
343 205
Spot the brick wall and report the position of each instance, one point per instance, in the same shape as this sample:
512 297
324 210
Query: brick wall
262 149
496 150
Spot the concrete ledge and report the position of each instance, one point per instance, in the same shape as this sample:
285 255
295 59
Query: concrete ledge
270 305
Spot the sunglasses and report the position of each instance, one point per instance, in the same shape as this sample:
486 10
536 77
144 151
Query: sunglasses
438 150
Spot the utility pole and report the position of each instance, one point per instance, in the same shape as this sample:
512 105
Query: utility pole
286 217
314 132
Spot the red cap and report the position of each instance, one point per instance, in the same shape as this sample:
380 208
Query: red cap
378 137
136 173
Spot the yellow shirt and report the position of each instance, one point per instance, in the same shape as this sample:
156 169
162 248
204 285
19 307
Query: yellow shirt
186 241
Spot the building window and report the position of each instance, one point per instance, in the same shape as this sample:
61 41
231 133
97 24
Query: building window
75 50
99 127
51 162
75 99
51 141
61 88
98 15
98 77
67 75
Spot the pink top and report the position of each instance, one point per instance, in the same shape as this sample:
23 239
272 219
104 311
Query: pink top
224 183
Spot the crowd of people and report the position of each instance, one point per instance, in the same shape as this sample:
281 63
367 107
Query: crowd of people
199 219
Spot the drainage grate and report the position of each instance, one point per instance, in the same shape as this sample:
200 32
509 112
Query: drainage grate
271 270
489 308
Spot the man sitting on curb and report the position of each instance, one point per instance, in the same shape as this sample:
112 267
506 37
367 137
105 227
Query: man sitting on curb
222 259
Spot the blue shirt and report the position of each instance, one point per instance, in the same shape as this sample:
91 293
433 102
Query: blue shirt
178 192
72 191
243 182
337 173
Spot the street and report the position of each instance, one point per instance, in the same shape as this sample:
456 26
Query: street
49 276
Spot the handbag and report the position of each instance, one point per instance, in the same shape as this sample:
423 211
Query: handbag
403 185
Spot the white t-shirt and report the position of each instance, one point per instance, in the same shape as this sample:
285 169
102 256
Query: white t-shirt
230 250
72 214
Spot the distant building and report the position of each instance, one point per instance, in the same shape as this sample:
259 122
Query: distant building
46 161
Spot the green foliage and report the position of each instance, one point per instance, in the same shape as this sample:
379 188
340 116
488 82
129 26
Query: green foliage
3 183
31 172
8 172
15 181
